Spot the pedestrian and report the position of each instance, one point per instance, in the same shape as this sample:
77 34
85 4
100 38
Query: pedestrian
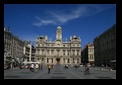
49 68
36 67
86 69
32 67
11 66
102 66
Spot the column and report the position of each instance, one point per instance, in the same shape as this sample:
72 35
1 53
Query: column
62 61
55 61
49 60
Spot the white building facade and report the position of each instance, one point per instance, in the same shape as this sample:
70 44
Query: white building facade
29 52
58 51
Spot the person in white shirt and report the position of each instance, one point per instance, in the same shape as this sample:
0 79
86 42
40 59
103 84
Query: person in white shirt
87 66
32 67
36 67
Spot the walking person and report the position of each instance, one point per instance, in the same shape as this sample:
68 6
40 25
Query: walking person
11 65
32 67
49 68
86 69
36 67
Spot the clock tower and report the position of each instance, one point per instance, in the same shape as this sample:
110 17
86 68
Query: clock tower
59 34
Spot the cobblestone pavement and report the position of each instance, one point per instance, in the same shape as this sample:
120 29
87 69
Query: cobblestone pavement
58 72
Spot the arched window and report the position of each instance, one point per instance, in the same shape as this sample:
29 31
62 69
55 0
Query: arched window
77 52
47 51
47 60
42 59
78 60
68 60
73 60
52 60
63 52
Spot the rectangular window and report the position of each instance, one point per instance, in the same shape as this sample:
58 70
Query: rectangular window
68 60
63 52
67 52
78 61
73 60
52 60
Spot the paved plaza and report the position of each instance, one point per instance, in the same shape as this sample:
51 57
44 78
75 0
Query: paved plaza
58 72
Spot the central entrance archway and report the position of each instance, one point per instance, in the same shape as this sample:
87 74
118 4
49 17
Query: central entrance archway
58 60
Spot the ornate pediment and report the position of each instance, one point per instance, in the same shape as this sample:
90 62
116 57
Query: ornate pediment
58 43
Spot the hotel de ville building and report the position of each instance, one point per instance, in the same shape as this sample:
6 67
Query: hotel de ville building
58 51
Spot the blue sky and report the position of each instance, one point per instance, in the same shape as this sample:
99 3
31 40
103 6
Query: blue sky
86 21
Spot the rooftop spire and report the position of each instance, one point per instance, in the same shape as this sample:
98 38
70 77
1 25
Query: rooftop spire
59 27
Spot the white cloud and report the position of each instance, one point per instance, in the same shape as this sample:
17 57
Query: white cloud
43 22
73 14
58 17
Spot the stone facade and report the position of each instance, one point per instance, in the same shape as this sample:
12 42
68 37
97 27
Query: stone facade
88 54
58 51
12 46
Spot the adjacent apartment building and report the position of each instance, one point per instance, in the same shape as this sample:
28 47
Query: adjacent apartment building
16 49
13 46
88 54
29 52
